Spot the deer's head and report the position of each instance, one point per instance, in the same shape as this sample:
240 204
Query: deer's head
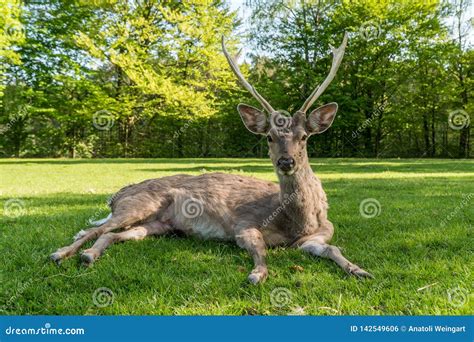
287 135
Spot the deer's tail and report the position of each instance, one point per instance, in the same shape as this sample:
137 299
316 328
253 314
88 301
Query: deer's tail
101 221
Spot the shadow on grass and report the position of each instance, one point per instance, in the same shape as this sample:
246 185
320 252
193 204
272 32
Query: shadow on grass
247 165
132 161
421 167
323 168
201 168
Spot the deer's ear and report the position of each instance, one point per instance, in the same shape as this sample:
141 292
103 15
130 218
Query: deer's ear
254 119
321 118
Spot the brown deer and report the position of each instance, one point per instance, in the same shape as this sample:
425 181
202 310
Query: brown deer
256 214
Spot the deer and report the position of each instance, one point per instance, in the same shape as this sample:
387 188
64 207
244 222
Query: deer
253 213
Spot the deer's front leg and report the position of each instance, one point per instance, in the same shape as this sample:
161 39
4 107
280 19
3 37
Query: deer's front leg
252 240
316 246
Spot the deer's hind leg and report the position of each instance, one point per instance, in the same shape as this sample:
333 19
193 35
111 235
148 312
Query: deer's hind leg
86 235
139 232
128 212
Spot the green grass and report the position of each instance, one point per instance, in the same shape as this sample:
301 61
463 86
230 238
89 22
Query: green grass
406 246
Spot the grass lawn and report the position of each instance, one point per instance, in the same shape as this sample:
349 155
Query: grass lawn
419 247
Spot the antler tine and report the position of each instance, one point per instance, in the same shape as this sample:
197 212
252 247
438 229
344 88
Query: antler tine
336 61
243 81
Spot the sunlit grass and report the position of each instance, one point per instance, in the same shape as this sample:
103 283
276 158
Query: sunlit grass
422 236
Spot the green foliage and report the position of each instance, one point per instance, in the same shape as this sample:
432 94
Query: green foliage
152 74
11 34
148 68
396 85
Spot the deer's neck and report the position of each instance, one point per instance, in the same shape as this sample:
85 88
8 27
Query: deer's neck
301 196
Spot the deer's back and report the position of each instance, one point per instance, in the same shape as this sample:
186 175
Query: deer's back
212 205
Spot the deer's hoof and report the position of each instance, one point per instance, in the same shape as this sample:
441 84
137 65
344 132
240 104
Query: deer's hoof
359 272
56 258
87 258
258 275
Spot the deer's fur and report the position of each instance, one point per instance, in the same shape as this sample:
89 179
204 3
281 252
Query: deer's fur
256 214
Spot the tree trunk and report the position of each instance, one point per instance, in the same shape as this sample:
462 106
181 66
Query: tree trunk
433 132
464 145
426 134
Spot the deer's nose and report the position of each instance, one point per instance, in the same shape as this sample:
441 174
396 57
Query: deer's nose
286 164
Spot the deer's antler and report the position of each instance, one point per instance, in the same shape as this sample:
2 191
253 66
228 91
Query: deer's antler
336 61
245 83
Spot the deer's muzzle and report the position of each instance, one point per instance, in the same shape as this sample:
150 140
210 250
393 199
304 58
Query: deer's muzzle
286 164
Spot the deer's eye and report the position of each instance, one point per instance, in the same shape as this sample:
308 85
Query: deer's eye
269 138
304 137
